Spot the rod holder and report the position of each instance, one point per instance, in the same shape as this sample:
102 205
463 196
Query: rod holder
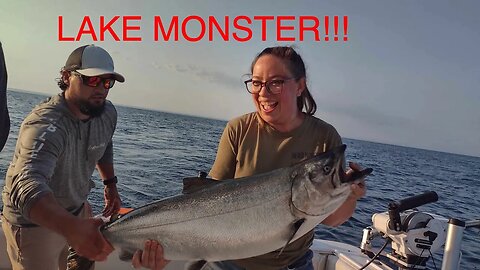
453 244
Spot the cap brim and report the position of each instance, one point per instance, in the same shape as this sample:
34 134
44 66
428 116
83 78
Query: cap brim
98 72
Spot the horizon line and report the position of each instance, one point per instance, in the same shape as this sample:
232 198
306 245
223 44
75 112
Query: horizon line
224 120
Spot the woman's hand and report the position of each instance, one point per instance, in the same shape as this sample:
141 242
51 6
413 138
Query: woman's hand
345 211
358 187
151 257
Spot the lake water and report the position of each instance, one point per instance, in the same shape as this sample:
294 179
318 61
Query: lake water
155 150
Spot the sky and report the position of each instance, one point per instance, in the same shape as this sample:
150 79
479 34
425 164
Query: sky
408 74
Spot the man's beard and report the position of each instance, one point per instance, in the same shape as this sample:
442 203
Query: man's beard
91 110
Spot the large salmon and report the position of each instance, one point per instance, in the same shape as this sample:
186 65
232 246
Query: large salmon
242 217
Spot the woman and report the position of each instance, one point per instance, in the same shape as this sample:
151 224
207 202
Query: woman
282 132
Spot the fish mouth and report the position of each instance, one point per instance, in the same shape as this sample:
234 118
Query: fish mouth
352 177
343 176
339 154
332 180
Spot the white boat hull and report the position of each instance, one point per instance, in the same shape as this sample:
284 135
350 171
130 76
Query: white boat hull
328 255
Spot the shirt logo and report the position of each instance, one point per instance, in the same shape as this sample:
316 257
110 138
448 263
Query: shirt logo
39 143
94 147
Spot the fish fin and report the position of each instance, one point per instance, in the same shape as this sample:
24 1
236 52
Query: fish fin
296 227
77 262
125 255
194 184
195 265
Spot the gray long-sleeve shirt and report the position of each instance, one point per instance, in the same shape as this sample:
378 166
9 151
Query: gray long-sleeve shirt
56 153
4 118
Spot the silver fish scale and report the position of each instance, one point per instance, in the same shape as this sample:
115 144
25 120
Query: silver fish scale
231 220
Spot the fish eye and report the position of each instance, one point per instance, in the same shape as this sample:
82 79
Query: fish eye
327 169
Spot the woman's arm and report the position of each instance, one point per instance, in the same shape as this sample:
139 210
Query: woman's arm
345 211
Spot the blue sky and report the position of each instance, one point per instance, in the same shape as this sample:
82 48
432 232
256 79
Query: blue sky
408 75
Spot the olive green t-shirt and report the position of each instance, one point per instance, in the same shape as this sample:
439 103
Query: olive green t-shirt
250 146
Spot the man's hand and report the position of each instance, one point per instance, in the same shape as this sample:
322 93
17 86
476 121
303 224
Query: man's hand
84 236
112 200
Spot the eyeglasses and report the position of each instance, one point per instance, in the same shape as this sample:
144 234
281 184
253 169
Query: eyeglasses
272 86
94 81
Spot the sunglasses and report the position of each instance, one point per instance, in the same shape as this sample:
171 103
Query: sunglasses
94 81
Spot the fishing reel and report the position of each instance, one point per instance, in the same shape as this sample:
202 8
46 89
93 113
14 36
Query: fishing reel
414 235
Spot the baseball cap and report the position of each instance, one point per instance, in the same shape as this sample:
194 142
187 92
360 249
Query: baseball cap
91 60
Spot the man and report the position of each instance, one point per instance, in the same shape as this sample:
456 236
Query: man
4 118
59 145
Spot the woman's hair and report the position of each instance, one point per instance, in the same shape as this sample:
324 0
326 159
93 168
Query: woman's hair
296 66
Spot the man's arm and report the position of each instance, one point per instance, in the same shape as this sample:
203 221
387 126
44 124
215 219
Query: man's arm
110 192
82 234
40 145
106 170
4 117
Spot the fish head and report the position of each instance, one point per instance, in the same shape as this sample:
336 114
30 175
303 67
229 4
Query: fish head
320 184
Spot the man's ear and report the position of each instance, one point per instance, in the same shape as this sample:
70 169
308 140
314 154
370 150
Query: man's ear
65 77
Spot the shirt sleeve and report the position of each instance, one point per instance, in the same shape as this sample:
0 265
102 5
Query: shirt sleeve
225 161
111 115
335 140
38 149
107 157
